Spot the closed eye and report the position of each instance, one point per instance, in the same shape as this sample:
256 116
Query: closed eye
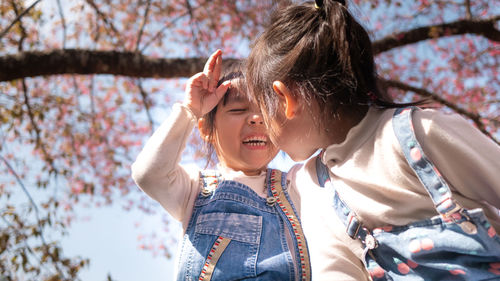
237 110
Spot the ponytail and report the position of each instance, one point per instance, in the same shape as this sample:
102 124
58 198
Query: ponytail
321 53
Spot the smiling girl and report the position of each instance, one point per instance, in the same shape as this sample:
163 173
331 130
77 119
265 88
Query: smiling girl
239 221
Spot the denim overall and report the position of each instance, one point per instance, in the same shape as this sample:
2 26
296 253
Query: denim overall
234 234
458 244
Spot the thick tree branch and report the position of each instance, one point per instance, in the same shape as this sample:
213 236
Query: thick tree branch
485 27
75 61
476 118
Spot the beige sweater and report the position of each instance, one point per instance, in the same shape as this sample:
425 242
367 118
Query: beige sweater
372 177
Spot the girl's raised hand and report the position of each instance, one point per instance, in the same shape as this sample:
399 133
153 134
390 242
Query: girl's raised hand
202 93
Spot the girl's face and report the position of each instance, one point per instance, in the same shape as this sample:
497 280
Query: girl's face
294 128
296 136
241 139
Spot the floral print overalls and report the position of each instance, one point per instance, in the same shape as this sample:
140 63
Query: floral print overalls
234 234
458 244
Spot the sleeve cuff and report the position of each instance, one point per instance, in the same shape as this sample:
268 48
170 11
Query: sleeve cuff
187 110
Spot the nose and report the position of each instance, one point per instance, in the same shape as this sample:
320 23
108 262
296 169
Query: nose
255 119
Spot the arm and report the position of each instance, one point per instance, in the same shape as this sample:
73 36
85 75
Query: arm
156 170
466 158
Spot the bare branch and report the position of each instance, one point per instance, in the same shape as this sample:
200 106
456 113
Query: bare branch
141 30
145 100
38 133
21 26
19 16
476 118
77 61
170 24
104 18
35 208
63 21
468 11
484 28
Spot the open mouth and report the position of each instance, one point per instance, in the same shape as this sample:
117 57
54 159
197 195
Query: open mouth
255 141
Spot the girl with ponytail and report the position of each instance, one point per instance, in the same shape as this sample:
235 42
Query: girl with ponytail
396 192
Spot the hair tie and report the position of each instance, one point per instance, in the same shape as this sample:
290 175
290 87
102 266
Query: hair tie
318 4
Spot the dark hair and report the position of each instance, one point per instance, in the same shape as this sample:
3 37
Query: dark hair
322 54
233 72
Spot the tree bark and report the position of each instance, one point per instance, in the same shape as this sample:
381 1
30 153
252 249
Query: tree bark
133 64
484 28
78 61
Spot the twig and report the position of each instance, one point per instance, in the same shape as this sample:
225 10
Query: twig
476 118
63 21
141 30
19 16
144 96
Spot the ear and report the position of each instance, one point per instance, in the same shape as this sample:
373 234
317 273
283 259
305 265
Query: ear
201 128
289 101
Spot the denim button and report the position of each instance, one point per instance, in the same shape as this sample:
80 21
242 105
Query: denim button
443 190
411 144
205 192
270 201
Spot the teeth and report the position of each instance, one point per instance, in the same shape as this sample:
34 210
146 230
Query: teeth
255 141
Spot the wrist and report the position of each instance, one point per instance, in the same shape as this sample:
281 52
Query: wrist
194 114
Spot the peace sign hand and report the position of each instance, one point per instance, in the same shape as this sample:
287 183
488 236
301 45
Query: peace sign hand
202 93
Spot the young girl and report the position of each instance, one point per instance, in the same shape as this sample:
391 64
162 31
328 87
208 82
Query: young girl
239 221
373 204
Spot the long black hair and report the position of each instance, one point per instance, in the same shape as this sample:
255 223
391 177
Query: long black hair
322 54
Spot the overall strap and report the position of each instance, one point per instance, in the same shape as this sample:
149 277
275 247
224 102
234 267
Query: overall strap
354 227
209 180
427 173
275 180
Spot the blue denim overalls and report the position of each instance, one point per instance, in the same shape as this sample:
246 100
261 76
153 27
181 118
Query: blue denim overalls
458 244
234 234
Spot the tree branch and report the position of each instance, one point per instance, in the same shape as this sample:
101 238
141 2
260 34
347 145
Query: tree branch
141 29
35 208
77 61
63 22
146 102
106 21
2 34
476 118
484 28
39 142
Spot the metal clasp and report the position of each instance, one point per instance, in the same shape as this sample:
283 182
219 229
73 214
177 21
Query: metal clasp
270 201
370 241
467 225
205 192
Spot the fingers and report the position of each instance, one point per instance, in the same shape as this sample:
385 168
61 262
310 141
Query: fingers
222 89
199 80
216 73
212 69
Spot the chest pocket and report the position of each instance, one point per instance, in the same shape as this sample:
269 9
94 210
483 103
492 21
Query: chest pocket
226 245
